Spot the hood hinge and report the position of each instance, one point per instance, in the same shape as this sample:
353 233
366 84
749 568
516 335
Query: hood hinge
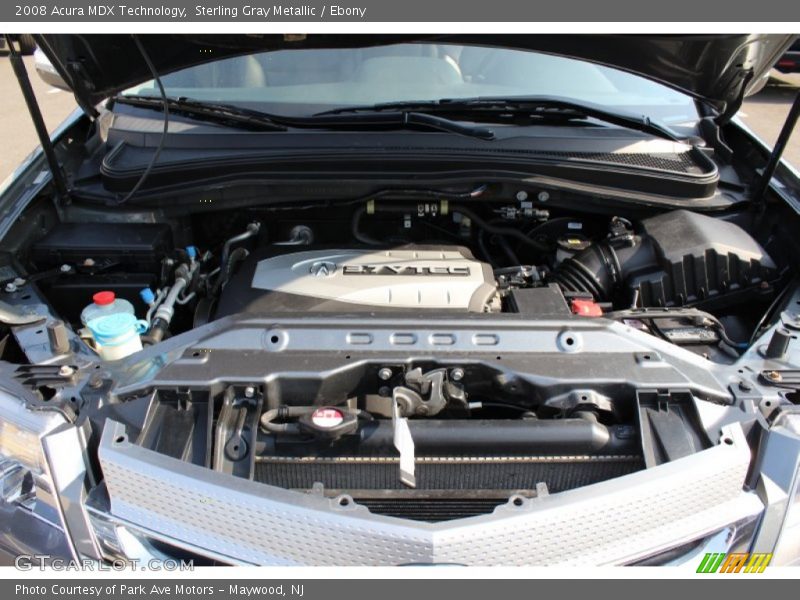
21 73
710 132
733 107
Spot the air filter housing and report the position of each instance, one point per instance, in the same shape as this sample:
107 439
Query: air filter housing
680 258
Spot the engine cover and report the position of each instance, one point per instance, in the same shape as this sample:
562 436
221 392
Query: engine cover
410 277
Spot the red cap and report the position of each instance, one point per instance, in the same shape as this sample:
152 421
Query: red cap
586 308
104 298
327 417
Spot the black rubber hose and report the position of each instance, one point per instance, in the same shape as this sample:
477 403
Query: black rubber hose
355 227
498 436
487 256
288 412
251 231
158 330
498 229
504 245
235 256
283 412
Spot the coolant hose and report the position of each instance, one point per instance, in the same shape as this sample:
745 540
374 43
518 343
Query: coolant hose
225 273
288 412
497 436
283 413
251 231
355 227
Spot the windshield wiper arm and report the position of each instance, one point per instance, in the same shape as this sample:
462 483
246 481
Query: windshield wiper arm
405 119
222 114
545 108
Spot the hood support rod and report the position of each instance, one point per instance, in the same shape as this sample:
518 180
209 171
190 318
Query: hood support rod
38 122
761 185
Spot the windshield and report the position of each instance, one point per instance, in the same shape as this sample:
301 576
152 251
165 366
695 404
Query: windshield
301 82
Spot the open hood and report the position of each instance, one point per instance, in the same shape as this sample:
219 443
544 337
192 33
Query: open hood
718 69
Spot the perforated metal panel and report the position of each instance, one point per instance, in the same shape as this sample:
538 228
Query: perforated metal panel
612 522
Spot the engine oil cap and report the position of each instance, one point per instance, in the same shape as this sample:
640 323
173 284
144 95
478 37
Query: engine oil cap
104 298
327 417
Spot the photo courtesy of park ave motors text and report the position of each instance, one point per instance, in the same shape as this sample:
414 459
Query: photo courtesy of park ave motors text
329 299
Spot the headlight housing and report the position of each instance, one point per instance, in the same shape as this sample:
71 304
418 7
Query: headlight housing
24 476
787 550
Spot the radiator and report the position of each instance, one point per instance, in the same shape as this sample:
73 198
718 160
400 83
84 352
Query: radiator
456 475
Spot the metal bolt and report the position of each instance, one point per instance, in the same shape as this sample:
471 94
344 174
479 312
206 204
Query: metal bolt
249 391
66 371
385 374
457 374
10 288
19 282
745 386
522 195
543 196
773 376
96 382
67 268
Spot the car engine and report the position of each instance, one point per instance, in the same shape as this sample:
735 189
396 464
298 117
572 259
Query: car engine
673 260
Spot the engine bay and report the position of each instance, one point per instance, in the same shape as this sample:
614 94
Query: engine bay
427 359
680 275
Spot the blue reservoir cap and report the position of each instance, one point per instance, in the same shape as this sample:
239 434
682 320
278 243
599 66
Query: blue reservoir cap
114 329
147 295
191 251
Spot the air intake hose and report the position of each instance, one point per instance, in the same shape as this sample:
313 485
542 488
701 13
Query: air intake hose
603 267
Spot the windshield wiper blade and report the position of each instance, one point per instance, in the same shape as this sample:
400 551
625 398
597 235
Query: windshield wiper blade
234 116
551 105
545 108
222 114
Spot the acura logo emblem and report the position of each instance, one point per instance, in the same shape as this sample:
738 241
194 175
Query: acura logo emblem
323 268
